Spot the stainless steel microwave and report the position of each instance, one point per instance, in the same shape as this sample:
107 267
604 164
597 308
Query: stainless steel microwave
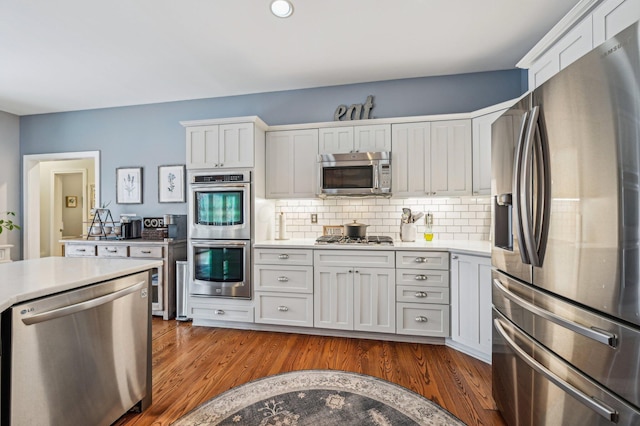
354 174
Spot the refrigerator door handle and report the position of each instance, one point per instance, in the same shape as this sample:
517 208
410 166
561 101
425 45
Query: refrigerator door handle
601 336
517 192
543 188
592 403
526 208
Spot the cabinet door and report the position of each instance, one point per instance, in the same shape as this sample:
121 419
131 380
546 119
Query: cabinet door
374 138
613 16
471 302
374 295
236 145
333 298
291 164
482 152
202 147
410 157
451 157
335 140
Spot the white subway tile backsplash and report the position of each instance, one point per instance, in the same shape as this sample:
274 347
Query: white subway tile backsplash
464 218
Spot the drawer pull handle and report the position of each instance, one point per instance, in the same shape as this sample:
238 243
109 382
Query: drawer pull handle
283 279
82 250
420 318
283 256
218 312
421 294
283 308
112 250
421 260
421 277
146 251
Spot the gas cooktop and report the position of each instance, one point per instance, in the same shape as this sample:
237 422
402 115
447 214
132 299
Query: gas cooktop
371 240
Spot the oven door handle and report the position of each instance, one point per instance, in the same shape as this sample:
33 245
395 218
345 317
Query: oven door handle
201 186
221 243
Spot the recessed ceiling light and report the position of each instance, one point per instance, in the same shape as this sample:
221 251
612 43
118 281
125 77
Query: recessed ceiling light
281 8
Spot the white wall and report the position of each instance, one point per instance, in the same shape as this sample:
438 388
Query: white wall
461 218
10 178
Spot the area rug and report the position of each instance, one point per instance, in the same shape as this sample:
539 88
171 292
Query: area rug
319 398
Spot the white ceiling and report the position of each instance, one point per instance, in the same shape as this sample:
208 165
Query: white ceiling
65 55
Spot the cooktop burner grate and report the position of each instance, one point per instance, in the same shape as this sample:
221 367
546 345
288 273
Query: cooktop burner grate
369 240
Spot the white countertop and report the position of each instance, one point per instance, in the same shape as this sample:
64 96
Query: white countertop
478 248
30 279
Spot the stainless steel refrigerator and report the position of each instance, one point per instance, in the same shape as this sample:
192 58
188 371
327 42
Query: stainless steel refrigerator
566 245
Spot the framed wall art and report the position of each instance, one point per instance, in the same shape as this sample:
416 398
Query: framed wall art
129 185
171 184
71 201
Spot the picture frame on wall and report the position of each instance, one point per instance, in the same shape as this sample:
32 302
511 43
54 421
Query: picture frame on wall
171 184
129 185
71 201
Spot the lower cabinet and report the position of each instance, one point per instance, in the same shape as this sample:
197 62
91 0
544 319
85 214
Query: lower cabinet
471 305
354 290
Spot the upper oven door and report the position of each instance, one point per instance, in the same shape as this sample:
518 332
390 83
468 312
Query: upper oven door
220 211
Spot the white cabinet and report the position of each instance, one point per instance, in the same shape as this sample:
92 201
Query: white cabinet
432 158
471 305
481 148
354 290
220 146
422 293
291 164
283 287
613 16
366 138
5 253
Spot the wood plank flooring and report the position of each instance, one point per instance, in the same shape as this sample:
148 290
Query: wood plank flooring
193 364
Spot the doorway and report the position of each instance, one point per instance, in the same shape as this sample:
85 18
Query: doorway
38 195
69 212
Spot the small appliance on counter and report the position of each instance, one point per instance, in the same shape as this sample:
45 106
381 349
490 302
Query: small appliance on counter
130 227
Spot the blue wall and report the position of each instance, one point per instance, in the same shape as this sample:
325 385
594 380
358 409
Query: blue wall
151 135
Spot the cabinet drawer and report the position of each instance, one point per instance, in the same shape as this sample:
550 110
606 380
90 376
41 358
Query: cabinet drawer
284 309
154 252
422 259
293 279
283 256
416 294
360 258
209 308
422 320
80 250
113 251
422 277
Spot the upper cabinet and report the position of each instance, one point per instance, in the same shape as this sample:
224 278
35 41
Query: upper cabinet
291 164
368 138
224 145
482 152
432 158
577 34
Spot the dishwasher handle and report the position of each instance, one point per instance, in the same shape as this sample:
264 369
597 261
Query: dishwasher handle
82 306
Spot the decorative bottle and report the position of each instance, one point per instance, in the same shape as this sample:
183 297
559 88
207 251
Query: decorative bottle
428 230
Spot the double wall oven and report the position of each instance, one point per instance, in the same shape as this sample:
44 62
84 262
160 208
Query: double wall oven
220 234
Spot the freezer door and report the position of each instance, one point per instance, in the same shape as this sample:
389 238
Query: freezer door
534 387
604 349
508 133
591 117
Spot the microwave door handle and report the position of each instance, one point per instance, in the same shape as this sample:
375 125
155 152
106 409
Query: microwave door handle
516 187
376 176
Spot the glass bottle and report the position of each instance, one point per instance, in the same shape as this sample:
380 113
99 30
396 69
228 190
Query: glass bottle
428 230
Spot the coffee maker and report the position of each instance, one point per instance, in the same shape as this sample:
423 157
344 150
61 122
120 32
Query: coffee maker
130 227
176 226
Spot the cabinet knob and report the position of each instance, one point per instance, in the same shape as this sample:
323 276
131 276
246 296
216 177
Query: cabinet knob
218 312
283 279
421 278
283 256
350 271
454 256
421 294
221 165
421 260
420 318
357 272
283 308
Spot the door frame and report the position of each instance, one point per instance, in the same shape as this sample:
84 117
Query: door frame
31 194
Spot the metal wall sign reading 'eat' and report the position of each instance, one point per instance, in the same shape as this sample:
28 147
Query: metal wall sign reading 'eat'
355 111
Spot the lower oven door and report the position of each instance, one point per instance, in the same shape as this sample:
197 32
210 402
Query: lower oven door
532 386
220 268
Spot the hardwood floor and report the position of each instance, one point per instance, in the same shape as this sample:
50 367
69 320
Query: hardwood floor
193 364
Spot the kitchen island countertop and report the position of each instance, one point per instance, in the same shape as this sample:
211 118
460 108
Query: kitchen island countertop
478 248
30 279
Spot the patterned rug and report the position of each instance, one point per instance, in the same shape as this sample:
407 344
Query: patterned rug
319 398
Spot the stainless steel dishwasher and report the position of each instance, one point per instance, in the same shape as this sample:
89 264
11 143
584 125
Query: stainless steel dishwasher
80 357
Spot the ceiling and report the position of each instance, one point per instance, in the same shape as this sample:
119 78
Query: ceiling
66 55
